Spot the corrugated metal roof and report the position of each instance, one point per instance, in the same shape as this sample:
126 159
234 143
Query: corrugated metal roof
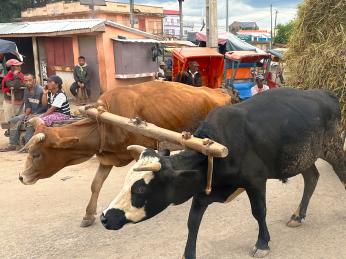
136 40
51 26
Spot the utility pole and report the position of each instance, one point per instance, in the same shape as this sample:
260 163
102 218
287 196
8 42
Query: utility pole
132 21
92 7
271 25
181 18
227 29
276 16
211 19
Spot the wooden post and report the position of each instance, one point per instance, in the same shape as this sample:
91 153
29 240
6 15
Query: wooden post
211 26
36 60
204 146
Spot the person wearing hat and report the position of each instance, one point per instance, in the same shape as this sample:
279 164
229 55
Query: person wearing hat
191 76
33 105
13 79
259 87
56 99
161 73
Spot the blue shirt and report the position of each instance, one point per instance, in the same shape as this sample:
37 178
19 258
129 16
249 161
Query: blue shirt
33 100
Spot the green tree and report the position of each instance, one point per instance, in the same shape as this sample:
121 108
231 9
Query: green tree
284 32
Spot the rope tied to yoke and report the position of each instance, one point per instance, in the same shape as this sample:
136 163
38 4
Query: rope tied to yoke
100 126
206 143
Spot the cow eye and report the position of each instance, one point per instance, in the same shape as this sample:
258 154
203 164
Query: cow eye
35 155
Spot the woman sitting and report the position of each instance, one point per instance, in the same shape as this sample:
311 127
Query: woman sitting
56 99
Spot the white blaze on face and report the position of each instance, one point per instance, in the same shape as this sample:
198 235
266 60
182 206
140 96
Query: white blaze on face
123 199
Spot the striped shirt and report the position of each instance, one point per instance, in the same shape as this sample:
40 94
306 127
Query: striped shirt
59 101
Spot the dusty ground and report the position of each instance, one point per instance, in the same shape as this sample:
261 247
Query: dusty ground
42 221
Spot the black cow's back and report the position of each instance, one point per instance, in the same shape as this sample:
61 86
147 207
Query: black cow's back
280 132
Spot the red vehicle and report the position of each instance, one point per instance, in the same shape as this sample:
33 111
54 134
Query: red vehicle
211 64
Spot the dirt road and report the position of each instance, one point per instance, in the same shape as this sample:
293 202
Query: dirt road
42 221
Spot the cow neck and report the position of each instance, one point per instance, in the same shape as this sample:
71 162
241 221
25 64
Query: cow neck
87 132
190 160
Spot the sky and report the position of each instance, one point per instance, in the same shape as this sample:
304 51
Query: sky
239 10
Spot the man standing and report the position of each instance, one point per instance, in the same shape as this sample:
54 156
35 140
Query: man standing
191 76
259 87
14 80
33 105
81 76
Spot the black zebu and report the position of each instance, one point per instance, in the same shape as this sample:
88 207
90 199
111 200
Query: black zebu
274 135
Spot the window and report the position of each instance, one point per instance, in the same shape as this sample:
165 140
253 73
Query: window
133 60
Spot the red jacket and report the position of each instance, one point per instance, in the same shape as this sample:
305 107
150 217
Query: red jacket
10 76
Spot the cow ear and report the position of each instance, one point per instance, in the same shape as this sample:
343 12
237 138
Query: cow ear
66 142
135 151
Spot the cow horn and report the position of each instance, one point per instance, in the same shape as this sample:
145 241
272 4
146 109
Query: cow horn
35 121
34 140
154 167
136 151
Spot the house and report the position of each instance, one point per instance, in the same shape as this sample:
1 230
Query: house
258 38
117 54
237 26
146 18
171 25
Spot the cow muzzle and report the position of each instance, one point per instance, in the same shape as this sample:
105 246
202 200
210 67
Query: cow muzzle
27 180
114 219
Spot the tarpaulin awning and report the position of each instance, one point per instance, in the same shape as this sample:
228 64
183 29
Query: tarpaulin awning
7 46
276 53
246 56
232 41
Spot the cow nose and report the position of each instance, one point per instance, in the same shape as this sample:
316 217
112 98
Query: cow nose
20 178
103 219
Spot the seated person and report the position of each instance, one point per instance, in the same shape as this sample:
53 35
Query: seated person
259 87
191 76
81 75
13 79
33 105
161 73
56 99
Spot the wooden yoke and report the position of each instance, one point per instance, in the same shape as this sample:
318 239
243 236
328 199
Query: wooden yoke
137 126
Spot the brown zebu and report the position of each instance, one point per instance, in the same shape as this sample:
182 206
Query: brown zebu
170 105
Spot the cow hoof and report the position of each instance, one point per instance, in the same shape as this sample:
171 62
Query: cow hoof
87 222
259 253
294 223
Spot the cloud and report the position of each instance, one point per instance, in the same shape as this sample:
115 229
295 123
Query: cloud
239 10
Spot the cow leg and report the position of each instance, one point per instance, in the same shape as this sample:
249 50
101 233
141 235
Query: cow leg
310 181
100 176
337 158
258 207
195 217
198 207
